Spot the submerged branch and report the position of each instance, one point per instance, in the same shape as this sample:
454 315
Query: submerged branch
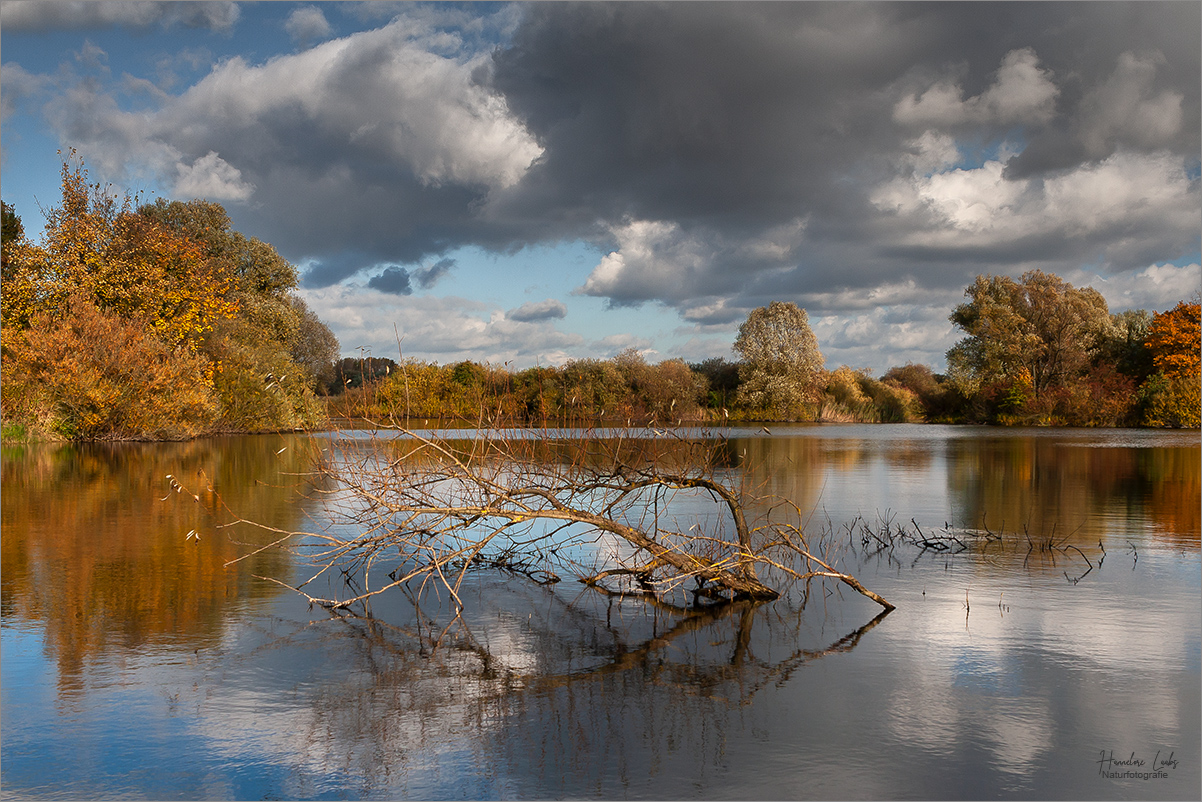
602 508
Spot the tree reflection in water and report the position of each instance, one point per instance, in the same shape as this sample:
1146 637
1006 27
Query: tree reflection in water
554 687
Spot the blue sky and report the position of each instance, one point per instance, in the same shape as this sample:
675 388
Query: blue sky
532 183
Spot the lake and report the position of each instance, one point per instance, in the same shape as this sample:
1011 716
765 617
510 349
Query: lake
135 663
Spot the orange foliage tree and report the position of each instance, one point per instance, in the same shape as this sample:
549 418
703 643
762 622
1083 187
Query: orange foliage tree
1173 393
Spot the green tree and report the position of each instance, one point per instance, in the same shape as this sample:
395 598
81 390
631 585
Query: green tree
1032 335
1124 345
782 370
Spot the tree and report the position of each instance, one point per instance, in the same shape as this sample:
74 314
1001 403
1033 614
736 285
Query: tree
1124 345
431 508
315 347
103 376
1174 338
126 264
18 286
202 294
270 355
1172 393
1039 332
722 380
782 368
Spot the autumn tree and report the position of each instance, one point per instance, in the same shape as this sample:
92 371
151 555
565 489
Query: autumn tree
1175 341
204 311
275 352
96 247
782 369
1039 330
18 285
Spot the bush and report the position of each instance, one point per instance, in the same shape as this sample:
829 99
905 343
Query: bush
97 376
1171 402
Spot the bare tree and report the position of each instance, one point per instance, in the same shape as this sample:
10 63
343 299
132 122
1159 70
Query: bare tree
648 513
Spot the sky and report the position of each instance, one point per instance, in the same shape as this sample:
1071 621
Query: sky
532 183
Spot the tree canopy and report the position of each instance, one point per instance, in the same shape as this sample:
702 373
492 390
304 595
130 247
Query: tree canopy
1039 329
194 310
782 371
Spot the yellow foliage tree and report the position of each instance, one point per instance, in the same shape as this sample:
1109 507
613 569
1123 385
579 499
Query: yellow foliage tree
125 263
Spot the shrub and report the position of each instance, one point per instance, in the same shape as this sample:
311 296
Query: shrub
91 376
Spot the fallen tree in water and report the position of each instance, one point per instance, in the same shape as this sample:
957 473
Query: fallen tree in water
644 512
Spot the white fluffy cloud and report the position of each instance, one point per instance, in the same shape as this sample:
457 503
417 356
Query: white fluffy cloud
1022 92
1156 288
882 337
407 106
383 97
212 178
658 259
307 24
980 208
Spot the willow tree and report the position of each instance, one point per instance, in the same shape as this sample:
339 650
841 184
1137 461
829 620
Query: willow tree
782 369
1039 332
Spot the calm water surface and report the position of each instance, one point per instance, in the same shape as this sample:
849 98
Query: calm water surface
135 663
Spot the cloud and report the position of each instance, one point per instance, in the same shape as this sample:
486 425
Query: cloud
394 280
427 277
307 24
1127 110
695 154
212 178
436 329
611 345
549 309
660 260
718 156
383 142
18 86
139 15
1156 288
1021 93
400 281
1124 208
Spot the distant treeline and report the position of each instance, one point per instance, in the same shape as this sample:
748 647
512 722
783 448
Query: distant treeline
1038 352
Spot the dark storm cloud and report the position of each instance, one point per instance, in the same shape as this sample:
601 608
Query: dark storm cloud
427 277
718 152
393 280
729 119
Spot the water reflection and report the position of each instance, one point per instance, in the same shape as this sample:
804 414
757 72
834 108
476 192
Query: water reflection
140 665
1082 494
96 556
537 692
